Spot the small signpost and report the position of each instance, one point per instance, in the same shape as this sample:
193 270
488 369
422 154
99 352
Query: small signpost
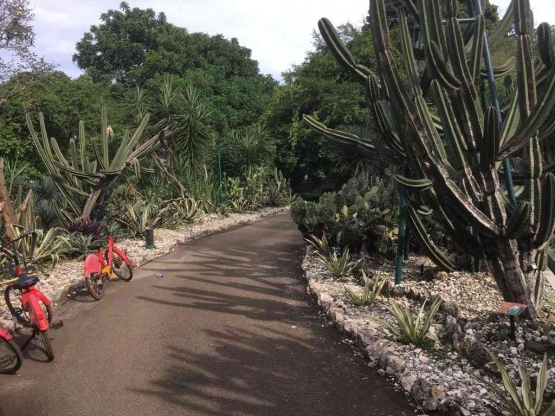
512 309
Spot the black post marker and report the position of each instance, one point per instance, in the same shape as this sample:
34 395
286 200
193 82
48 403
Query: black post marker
512 335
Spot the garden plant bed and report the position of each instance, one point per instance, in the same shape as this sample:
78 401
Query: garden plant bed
447 379
66 278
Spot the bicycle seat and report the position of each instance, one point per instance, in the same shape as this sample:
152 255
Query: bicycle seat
94 245
25 281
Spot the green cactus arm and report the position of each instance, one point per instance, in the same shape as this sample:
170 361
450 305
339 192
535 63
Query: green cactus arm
477 46
503 26
519 221
431 26
411 7
136 167
545 45
89 177
412 185
492 138
52 170
511 122
98 156
548 127
534 185
533 122
456 49
73 154
61 162
123 153
104 137
451 130
546 226
341 53
439 68
526 75
465 207
336 135
123 148
430 131
434 253
407 53
150 145
500 71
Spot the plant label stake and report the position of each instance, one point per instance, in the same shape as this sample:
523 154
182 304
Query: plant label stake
512 309
149 238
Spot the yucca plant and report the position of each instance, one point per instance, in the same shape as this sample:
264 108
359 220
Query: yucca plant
321 244
340 266
526 403
240 205
410 328
372 289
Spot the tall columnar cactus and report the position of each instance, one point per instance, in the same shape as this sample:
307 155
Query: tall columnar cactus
85 181
432 119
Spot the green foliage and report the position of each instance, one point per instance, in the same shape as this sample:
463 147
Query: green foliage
279 189
341 266
528 402
39 246
320 244
412 329
372 289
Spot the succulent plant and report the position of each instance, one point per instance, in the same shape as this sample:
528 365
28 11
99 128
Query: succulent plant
85 182
453 148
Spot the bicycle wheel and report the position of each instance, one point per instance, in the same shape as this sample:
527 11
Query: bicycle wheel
12 298
10 356
47 345
121 269
95 285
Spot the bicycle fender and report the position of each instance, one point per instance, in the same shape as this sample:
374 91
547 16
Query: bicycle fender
5 335
92 265
36 313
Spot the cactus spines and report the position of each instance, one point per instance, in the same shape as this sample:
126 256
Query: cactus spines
85 183
456 174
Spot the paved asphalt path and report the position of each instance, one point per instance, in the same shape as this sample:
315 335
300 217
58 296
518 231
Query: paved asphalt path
228 330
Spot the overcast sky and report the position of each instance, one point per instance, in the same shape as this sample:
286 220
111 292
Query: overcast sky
277 32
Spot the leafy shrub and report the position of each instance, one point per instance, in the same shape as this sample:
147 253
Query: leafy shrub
86 227
39 246
372 289
340 266
185 210
526 403
278 189
140 216
412 329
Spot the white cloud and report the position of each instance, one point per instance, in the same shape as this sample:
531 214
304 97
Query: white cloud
279 33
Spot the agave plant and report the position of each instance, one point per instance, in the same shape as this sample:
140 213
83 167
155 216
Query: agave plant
372 289
320 244
186 210
410 328
140 217
39 246
77 244
340 266
526 403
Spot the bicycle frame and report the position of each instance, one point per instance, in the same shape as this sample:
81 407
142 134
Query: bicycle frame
101 262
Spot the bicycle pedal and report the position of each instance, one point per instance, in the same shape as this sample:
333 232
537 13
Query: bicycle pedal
57 324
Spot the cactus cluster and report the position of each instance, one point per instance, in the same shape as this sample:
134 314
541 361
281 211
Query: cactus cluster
362 212
85 181
428 109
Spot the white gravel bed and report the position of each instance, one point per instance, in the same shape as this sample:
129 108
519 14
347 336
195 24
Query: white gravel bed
442 379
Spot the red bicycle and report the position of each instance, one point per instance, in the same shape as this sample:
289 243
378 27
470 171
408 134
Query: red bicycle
10 354
35 309
101 266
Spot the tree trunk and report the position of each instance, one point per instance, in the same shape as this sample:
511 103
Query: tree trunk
170 175
516 276
8 212
91 203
